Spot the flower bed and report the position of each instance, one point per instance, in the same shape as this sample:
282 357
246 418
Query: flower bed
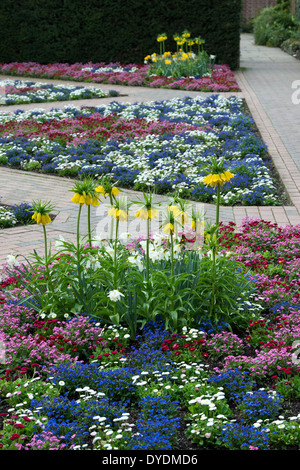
167 145
21 92
11 216
222 78
70 381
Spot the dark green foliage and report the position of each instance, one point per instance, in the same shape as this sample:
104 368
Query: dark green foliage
274 25
123 31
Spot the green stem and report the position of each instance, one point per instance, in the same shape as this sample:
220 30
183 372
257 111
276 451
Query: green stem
46 259
115 255
147 250
78 232
89 225
218 209
172 254
213 290
112 222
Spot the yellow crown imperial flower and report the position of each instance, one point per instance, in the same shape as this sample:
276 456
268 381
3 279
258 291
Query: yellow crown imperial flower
145 214
84 198
168 228
174 210
215 178
41 212
43 219
101 190
108 191
119 214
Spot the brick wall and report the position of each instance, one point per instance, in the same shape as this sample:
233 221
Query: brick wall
250 8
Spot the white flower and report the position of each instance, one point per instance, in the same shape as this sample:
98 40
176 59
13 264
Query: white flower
12 260
115 295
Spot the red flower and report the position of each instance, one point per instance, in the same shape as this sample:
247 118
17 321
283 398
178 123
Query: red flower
19 425
13 437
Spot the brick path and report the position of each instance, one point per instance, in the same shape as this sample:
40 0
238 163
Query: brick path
265 78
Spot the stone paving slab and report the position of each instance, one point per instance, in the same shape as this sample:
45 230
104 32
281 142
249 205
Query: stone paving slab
265 78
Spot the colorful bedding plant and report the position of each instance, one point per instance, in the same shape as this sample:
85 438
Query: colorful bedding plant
21 92
167 145
71 383
222 79
19 214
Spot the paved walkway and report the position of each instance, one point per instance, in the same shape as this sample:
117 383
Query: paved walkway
265 77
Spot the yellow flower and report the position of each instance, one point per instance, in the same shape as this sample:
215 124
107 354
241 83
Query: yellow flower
216 178
145 214
43 219
168 62
114 191
168 228
184 218
101 190
113 212
118 214
76 198
41 212
174 210
161 38
106 192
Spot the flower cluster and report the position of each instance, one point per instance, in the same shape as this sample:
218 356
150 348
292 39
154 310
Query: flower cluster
222 78
21 92
168 146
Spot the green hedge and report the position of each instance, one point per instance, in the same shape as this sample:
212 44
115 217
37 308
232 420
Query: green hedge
48 31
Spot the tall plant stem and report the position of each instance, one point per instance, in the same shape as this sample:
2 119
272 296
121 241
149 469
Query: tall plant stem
46 259
172 254
218 205
89 226
78 231
147 251
213 287
115 254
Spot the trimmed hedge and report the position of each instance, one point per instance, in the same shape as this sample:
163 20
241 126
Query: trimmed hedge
125 31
